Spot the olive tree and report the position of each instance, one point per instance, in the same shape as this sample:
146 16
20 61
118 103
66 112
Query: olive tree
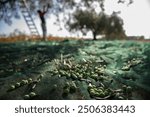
114 27
99 24
86 21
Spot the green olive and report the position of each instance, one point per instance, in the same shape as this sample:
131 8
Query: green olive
55 72
80 76
114 72
26 97
93 86
124 86
24 82
68 75
90 87
129 89
12 87
62 72
92 92
30 80
67 67
77 74
96 68
17 84
99 90
96 94
55 86
102 94
74 76
32 94
126 68
120 98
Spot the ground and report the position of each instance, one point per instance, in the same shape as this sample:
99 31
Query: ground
75 69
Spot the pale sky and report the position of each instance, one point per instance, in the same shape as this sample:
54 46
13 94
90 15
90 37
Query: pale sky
136 20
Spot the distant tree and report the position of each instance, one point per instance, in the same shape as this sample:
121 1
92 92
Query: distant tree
114 27
88 21
99 24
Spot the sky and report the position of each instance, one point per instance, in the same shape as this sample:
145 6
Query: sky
136 20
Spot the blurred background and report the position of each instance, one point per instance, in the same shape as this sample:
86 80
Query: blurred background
135 16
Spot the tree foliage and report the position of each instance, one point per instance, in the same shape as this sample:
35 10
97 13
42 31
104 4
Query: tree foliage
77 14
98 24
114 27
10 8
88 21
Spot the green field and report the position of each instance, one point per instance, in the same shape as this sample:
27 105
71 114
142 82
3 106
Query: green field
75 70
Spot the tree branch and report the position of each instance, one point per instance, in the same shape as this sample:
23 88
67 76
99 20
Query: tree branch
4 2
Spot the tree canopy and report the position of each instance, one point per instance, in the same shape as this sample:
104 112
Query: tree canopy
97 23
10 8
88 21
114 27
77 14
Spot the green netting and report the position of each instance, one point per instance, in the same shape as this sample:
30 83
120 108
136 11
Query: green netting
26 70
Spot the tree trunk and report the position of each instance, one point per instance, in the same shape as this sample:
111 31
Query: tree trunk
94 36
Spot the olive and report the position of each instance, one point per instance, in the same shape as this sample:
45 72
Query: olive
92 92
17 84
12 87
96 94
55 86
94 76
32 94
102 94
74 76
67 66
24 82
62 72
99 90
121 98
30 80
77 74
90 87
55 72
126 68
26 97
68 75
